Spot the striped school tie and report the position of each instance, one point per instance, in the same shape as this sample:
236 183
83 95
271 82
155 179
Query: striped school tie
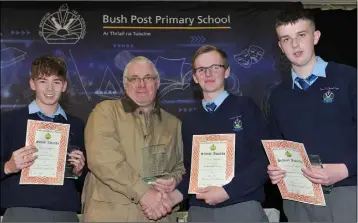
210 107
306 83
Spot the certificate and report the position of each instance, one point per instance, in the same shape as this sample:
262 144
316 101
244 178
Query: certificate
51 140
212 161
292 156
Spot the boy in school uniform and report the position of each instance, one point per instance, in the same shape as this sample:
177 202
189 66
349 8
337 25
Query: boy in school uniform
224 113
32 203
317 107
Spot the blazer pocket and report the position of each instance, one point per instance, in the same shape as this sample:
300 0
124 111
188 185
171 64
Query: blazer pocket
158 149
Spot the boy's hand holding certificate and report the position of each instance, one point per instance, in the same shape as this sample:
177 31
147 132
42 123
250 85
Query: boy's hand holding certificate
212 161
51 140
292 157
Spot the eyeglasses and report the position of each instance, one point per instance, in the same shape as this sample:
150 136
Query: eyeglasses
214 69
147 79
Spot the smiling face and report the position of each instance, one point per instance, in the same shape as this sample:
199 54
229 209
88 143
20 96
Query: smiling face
142 83
49 81
210 72
48 90
297 41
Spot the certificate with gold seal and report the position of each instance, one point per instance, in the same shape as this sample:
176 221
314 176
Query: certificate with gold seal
292 157
51 140
212 161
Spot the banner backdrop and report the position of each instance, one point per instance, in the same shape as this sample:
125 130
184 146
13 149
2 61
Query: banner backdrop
97 39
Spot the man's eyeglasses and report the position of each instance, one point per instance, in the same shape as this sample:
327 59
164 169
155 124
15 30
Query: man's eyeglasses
147 79
214 69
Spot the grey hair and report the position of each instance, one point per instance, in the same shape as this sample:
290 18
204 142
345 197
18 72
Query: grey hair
139 59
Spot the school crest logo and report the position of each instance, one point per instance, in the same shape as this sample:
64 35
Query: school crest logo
328 94
62 27
237 124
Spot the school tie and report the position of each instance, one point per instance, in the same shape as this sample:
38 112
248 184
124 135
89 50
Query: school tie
306 83
210 107
44 117
56 118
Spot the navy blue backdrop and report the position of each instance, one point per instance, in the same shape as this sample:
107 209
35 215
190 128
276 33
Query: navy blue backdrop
98 39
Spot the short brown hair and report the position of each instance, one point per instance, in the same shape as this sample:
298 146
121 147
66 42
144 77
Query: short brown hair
48 66
207 49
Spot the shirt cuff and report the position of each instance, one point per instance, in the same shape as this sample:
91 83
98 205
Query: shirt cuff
139 189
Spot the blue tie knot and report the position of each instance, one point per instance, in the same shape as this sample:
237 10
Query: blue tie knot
306 83
210 107
44 117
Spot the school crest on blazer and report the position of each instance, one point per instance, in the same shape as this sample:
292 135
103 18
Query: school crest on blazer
237 123
328 95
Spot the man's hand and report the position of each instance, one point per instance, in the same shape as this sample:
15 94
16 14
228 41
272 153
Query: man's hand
212 195
155 204
328 175
176 197
165 185
77 159
276 174
20 159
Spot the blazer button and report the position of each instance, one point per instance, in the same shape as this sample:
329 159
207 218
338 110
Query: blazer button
132 199
140 112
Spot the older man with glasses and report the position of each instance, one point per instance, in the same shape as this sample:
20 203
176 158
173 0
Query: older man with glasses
134 151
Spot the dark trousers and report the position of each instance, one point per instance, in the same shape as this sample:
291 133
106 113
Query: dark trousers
24 214
341 206
250 211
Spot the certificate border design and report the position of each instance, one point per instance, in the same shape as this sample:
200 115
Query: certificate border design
230 157
270 146
32 127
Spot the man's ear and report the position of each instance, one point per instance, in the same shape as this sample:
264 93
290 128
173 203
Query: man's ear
227 72
317 36
195 79
32 84
279 44
157 82
64 87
